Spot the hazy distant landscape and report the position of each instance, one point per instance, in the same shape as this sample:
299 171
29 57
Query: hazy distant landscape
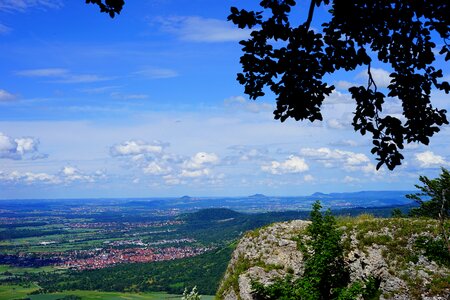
145 245
147 146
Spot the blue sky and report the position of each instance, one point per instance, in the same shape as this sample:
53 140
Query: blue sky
147 105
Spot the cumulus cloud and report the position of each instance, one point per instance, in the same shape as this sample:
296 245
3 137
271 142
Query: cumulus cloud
293 164
137 147
200 160
368 168
28 178
153 159
337 124
346 142
5 96
428 159
19 148
23 5
346 160
198 29
67 175
195 173
250 153
380 76
154 168
240 103
331 157
338 98
350 179
71 174
173 180
344 85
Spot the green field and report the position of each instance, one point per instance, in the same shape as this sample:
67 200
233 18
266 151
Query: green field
20 270
11 292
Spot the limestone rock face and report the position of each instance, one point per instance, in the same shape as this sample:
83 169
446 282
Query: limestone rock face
271 252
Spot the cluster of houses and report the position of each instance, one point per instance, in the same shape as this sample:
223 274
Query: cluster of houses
102 258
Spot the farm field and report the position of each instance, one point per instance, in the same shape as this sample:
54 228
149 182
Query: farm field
17 292
122 250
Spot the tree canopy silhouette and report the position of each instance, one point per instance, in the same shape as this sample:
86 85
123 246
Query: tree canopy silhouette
399 33
111 7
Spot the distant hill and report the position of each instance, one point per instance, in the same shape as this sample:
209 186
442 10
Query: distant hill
319 195
257 196
211 214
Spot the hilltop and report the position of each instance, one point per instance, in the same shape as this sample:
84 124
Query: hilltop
211 214
383 249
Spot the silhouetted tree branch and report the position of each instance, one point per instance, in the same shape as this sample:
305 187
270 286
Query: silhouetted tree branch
111 7
399 32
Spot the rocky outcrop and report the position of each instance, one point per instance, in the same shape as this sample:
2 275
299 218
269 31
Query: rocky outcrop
374 248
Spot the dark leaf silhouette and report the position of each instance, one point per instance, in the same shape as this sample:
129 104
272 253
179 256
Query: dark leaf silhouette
111 7
398 32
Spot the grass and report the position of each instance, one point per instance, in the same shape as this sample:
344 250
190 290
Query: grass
19 270
11 292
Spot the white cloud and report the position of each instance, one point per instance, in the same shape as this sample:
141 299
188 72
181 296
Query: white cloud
346 160
344 85
153 160
69 171
67 175
71 174
248 154
336 124
154 168
173 180
293 164
62 75
198 29
368 168
338 98
6 96
428 159
28 178
26 145
23 5
350 179
348 143
200 160
195 173
332 157
380 76
19 148
240 103
136 147
157 73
